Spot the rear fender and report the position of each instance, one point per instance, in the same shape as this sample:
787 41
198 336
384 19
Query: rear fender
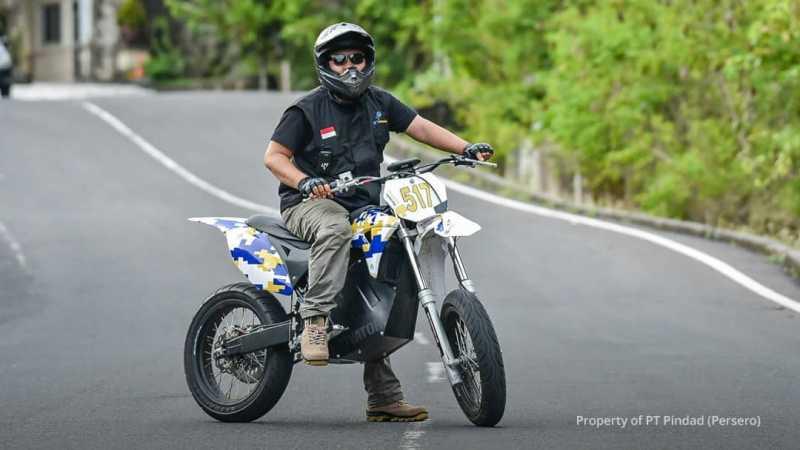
253 254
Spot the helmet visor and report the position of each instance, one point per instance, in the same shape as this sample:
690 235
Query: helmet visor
340 59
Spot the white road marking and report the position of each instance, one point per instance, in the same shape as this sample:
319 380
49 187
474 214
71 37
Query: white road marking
435 371
15 247
421 339
170 164
411 438
714 263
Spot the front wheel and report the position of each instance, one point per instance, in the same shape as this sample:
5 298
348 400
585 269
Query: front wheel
482 395
239 388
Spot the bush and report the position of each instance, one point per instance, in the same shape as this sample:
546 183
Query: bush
132 14
167 62
165 66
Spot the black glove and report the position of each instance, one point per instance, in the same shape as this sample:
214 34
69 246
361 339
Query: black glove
471 151
306 185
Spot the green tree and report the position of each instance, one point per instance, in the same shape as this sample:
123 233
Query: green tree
248 31
684 108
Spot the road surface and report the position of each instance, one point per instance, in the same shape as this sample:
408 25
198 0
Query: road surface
101 274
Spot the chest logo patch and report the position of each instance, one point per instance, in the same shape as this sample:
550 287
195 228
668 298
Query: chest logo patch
379 118
327 133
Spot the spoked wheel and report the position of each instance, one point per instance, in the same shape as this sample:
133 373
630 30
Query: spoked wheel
482 395
237 388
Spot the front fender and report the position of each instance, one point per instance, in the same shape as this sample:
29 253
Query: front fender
253 254
453 224
447 224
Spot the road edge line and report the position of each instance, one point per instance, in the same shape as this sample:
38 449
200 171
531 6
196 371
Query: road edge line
718 265
170 164
788 256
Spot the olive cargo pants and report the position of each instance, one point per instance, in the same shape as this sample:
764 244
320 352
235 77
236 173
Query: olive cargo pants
326 224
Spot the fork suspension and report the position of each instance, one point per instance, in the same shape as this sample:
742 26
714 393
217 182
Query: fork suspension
428 301
458 266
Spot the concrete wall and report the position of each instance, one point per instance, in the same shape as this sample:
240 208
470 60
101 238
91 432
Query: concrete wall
88 54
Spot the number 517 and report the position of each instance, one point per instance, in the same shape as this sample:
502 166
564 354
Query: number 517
418 200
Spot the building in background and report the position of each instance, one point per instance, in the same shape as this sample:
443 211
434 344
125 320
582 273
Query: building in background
63 40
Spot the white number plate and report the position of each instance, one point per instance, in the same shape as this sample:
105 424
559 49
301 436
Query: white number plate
416 198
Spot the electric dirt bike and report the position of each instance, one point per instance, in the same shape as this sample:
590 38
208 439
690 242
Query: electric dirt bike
241 344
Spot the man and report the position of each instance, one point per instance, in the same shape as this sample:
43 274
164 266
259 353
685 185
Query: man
338 131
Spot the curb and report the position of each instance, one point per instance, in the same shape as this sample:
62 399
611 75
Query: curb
787 256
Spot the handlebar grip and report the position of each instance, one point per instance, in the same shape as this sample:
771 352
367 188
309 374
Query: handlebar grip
333 185
485 163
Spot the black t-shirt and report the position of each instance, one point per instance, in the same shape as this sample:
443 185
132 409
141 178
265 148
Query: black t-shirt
295 133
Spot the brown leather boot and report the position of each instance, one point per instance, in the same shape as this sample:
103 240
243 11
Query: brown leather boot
314 342
397 412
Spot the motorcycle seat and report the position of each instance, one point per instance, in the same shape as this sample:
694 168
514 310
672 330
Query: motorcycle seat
274 227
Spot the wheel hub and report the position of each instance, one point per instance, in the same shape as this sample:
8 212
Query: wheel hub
246 368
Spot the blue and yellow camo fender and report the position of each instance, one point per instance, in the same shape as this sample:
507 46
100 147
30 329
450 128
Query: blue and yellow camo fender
252 253
371 232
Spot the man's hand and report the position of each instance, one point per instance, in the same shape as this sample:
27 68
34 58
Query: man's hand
479 151
314 187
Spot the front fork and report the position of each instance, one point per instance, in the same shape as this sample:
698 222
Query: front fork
461 272
428 301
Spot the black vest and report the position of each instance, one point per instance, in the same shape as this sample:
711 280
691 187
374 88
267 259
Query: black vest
347 139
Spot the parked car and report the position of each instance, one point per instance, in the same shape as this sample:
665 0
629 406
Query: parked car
6 67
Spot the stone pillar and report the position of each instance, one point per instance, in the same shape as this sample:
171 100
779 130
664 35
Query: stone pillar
286 76
104 39
85 28
577 188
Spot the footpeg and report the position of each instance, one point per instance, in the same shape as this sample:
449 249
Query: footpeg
336 330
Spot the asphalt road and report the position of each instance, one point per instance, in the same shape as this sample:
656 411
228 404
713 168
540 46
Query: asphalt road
100 274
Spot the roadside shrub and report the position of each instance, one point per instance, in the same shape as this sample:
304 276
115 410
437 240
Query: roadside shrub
132 14
167 61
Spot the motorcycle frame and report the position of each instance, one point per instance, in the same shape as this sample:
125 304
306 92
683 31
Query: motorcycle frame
288 332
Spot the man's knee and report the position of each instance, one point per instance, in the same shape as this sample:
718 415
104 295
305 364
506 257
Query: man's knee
339 232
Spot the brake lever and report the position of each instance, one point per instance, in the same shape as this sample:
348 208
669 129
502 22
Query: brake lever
464 161
341 186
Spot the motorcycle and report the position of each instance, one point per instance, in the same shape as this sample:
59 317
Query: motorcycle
241 345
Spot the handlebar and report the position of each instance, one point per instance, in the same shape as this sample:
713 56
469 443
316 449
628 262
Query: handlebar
456 160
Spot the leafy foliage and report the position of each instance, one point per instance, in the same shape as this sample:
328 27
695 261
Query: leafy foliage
167 62
684 108
131 13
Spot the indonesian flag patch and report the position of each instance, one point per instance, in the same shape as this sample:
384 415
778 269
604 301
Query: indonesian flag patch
327 132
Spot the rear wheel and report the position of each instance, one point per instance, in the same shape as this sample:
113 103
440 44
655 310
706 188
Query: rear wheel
240 388
5 90
482 395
